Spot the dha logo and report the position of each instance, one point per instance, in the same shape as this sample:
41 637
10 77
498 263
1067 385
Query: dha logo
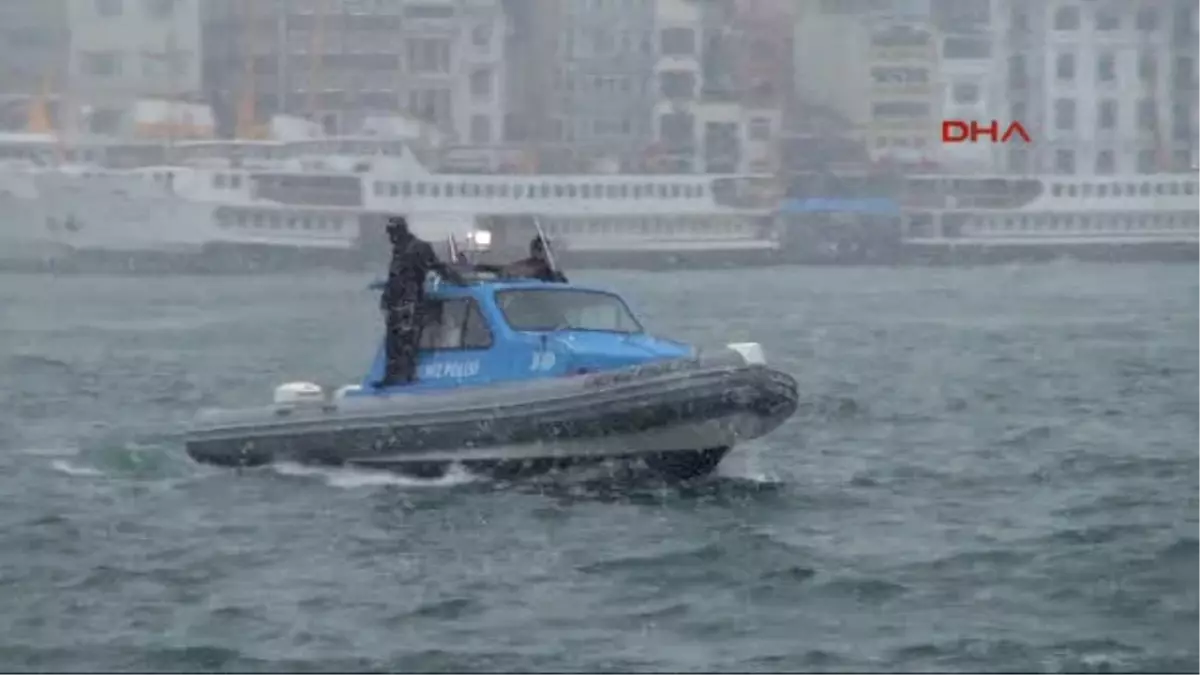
963 131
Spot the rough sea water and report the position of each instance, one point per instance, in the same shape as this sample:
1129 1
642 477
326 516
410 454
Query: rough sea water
993 469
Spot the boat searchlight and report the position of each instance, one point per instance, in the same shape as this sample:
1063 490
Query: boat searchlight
479 240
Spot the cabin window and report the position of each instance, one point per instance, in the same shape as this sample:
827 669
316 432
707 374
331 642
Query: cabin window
219 180
435 190
1189 188
502 190
545 190
585 191
406 189
518 191
546 310
235 182
450 187
611 192
571 191
454 324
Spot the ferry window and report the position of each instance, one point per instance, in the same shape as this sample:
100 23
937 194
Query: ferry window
1101 190
337 225
489 191
275 225
420 189
1087 189
571 191
1189 188
585 191
219 180
258 220
405 189
455 324
674 191
1070 190
1145 191
637 191
623 191
546 310
450 189
235 182
435 190
502 190
378 188
1160 189
518 191
545 190
662 191
559 190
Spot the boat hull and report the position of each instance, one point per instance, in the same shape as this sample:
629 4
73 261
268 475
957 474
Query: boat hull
679 417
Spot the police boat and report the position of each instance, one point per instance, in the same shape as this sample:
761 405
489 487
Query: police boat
519 377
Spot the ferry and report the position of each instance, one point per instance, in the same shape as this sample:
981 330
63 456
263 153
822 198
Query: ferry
330 195
999 218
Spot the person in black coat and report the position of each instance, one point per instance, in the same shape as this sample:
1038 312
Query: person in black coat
403 299
536 266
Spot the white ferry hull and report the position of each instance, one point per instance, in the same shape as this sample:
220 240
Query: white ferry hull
24 237
109 213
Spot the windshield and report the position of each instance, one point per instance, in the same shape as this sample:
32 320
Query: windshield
553 309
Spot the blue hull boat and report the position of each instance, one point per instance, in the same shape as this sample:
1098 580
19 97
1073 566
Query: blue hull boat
518 378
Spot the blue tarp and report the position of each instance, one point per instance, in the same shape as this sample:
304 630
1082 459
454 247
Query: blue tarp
879 206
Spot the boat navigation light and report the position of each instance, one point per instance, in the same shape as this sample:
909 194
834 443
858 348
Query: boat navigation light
480 238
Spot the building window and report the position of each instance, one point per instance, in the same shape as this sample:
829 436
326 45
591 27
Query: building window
1147 67
760 129
1147 119
1106 67
1181 122
1147 161
677 42
1106 162
1064 114
428 56
100 64
1106 115
1016 111
481 36
108 7
679 84
1147 19
1185 73
1017 76
481 84
966 92
1107 20
481 129
1064 161
1066 18
105 121
160 9
1065 66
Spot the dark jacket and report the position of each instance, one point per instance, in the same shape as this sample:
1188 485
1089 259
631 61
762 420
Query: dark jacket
412 260
534 268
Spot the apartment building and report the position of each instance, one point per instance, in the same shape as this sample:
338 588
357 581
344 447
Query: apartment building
342 61
1103 86
718 111
122 51
34 38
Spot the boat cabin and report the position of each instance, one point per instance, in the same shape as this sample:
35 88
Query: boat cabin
491 331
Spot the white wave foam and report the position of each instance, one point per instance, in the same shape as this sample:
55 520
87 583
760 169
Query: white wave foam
357 478
743 464
49 452
63 466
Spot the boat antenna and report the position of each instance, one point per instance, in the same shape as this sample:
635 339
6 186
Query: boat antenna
545 244
453 247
